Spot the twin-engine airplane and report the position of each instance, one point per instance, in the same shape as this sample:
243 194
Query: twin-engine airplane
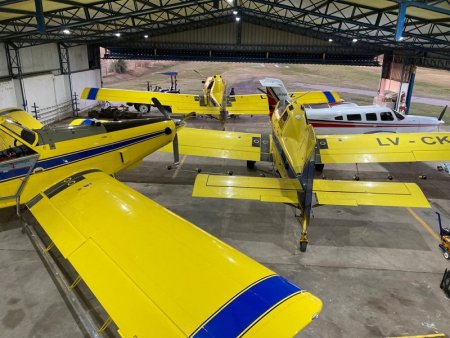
155 274
213 101
296 151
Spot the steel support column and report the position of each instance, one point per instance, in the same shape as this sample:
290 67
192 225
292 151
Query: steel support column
15 69
401 21
412 76
64 64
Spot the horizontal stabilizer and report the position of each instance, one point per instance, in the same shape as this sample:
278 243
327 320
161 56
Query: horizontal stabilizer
374 148
283 190
156 274
222 144
354 193
265 189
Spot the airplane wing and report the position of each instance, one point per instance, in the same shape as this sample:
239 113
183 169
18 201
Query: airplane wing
257 104
369 148
253 104
222 144
157 274
180 103
333 192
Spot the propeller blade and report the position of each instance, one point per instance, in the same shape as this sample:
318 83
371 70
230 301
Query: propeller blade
176 151
160 107
442 113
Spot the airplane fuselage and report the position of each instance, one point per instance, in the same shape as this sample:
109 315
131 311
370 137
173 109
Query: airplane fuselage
62 152
349 118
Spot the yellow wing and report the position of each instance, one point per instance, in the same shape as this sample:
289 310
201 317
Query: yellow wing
253 104
257 104
179 103
222 144
285 190
156 274
407 147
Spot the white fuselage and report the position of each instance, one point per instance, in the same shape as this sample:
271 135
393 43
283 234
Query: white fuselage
349 118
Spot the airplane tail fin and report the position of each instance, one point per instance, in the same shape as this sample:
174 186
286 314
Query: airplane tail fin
276 92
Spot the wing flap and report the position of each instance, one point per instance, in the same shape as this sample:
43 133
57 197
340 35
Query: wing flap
222 144
155 273
405 147
265 189
354 193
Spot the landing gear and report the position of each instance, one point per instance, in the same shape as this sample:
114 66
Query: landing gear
142 108
251 164
303 243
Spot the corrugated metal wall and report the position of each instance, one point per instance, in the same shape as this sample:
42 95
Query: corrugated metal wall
251 34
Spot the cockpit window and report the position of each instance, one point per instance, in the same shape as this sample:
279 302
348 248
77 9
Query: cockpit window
20 131
386 116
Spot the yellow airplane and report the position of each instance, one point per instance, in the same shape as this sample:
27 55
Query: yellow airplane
155 274
295 151
213 101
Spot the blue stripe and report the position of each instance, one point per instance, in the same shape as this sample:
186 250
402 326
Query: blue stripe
245 310
330 97
92 93
78 156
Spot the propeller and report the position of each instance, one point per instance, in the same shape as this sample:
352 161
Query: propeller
178 123
441 115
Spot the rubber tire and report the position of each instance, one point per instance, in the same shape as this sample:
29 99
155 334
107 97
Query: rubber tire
446 255
319 166
303 246
251 164
144 108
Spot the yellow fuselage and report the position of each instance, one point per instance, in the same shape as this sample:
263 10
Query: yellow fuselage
109 152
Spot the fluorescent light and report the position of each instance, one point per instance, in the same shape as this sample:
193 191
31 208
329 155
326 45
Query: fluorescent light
330 40
117 34
354 40
238 19
66 31
146 36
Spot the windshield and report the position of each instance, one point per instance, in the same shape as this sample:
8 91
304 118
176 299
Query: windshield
18 132
399 116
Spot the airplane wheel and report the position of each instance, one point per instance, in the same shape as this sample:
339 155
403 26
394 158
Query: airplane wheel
229 172
319 167
303 246
389 177
251 164
446 255
143 108
356 178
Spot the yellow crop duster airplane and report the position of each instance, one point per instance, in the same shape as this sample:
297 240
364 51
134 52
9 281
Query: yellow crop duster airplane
213 101
295 151
155 274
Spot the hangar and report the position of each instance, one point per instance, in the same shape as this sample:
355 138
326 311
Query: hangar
49 51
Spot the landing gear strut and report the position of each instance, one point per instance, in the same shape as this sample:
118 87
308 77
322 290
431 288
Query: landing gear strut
303 243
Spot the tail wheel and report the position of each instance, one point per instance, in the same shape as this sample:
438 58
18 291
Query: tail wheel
303 246
446 255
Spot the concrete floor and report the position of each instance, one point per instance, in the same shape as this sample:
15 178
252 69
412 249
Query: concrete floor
377 270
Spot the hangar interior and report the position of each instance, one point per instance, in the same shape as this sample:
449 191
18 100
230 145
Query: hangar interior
383 261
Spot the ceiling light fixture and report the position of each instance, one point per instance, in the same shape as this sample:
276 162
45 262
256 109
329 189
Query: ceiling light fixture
235 12
117 34
354 40
146 36
238 19
66 31
330 40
